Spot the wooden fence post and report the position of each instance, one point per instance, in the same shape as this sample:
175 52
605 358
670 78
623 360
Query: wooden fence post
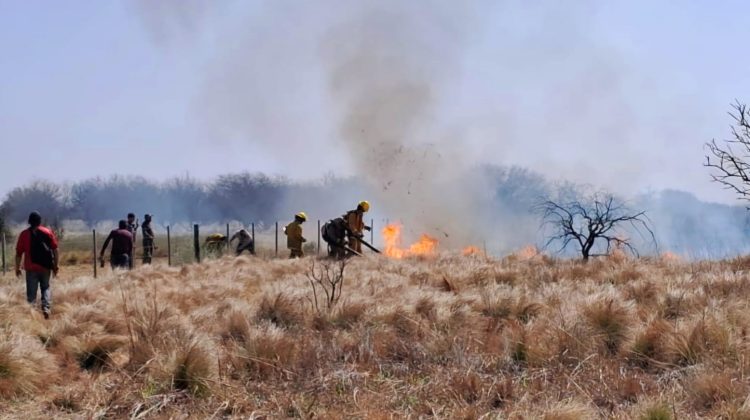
277 239
372 232
169 247
227 236
252 229
5 267
196 243
318 236
93 237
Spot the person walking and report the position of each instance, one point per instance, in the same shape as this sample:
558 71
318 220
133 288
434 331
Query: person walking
122 247
37 246
294 238
148 239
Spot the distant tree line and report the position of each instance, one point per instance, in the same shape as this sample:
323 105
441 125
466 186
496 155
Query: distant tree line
242 196
506 199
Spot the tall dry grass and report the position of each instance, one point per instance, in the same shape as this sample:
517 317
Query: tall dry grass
450 337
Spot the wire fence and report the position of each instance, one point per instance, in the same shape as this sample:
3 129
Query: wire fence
180 244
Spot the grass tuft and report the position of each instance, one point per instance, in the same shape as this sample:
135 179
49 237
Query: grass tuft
611 320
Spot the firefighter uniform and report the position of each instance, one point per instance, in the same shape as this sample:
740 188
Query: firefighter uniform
294 238
356 224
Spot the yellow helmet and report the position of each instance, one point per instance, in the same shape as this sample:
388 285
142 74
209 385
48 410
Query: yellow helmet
301 215
365 205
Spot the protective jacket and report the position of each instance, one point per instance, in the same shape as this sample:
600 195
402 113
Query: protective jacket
355 221
294 237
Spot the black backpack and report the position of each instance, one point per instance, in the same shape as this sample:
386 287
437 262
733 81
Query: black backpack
41 249
334 231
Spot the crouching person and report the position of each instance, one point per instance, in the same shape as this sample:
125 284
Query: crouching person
37 245
122 247
244 242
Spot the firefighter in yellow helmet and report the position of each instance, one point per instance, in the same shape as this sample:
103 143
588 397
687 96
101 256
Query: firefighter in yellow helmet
356 224
294 238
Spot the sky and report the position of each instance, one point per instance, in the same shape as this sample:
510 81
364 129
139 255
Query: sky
618 94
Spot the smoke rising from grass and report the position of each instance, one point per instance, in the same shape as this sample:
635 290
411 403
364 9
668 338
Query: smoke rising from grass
410 97
386 67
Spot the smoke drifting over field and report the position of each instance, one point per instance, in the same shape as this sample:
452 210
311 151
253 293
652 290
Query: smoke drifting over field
387 66
357 87
432 111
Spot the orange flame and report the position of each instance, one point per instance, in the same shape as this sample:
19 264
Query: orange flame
670 257
472 250
426 245
526 253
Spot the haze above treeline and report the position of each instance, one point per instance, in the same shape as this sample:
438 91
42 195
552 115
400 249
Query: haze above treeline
504 220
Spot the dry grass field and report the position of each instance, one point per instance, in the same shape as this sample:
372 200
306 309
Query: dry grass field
447 337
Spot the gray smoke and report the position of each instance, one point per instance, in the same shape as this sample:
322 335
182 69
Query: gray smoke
387 67
377 90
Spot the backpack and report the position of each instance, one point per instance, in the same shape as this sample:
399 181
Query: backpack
41 249
334 231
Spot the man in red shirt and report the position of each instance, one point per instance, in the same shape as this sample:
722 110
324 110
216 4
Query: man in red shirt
122 247
37 245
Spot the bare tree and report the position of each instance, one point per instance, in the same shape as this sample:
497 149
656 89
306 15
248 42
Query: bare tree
593 220
730 159
327 279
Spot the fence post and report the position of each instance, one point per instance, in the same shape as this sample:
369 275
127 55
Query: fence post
277 239
5 268
93 237
372 232
252 230
318 236
227 236
196 243
169 247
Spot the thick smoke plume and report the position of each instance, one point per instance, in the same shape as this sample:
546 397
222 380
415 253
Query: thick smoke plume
387 68
412 98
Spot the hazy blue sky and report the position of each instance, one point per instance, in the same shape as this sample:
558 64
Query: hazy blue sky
621 94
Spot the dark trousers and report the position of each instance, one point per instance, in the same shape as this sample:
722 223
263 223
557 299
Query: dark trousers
38 280
120 261
250 247
148 250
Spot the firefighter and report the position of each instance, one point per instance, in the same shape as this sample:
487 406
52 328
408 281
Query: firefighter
356 225
148 239
334 232
294 238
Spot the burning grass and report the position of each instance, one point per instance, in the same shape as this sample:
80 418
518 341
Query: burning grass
450 336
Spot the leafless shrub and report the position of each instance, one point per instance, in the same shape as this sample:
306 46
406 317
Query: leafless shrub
327 282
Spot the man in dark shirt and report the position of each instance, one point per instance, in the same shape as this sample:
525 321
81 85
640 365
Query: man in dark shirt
122 247
148 239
